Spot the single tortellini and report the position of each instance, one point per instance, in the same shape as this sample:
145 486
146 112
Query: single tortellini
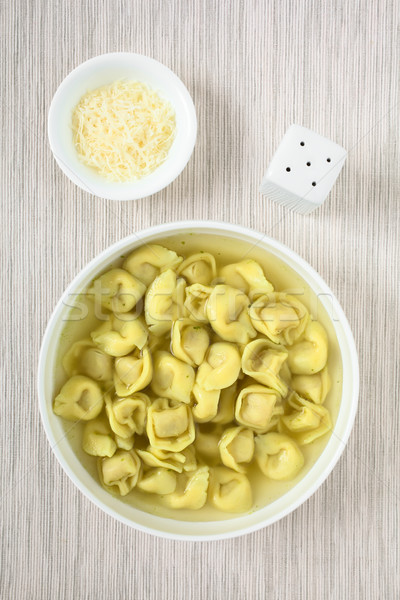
226 405
158 481
80 398
97 438
133 372
120 473
309 355
237 448
220 370
127 416
206 402
312 387
229 490
306 421
279 316
195 304
84 358
278 456
221 367
117 290
191 490
120 334
264 362
207 443
227 312
176 461
149 261
170 425
199 268
258 408
172 378
189 341
248 277
164 302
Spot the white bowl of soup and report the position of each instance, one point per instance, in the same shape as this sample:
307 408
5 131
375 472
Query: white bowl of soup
198 380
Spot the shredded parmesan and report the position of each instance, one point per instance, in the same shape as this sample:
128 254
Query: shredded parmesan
124 130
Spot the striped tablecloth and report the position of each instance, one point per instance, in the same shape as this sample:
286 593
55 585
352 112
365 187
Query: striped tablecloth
253 68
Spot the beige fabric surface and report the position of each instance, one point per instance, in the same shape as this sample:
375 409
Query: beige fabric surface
253 68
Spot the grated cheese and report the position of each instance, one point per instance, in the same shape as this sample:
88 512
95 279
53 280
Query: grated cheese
124 130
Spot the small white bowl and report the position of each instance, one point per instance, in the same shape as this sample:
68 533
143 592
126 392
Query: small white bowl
175 528
103 70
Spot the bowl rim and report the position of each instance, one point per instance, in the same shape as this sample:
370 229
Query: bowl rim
175 228
156 182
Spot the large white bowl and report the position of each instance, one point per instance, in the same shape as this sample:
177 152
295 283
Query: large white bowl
103 70
191 530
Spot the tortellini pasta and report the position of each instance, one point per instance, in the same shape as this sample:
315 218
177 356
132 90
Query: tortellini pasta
197 380
309 355
120 334
197 296
258 408
127 416
164 302
278 456
191 490
228 313
118 290
158 481
125 443
220 370
221 367
306 421
280 317
133 373
237 448
80 399
170 425
84 358
312 387
172 378
229 490
199 268
264 363
149 261
206 402
248 277
189 341
97 438
175 461
120 472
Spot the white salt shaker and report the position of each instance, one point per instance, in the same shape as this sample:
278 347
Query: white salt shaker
303 170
